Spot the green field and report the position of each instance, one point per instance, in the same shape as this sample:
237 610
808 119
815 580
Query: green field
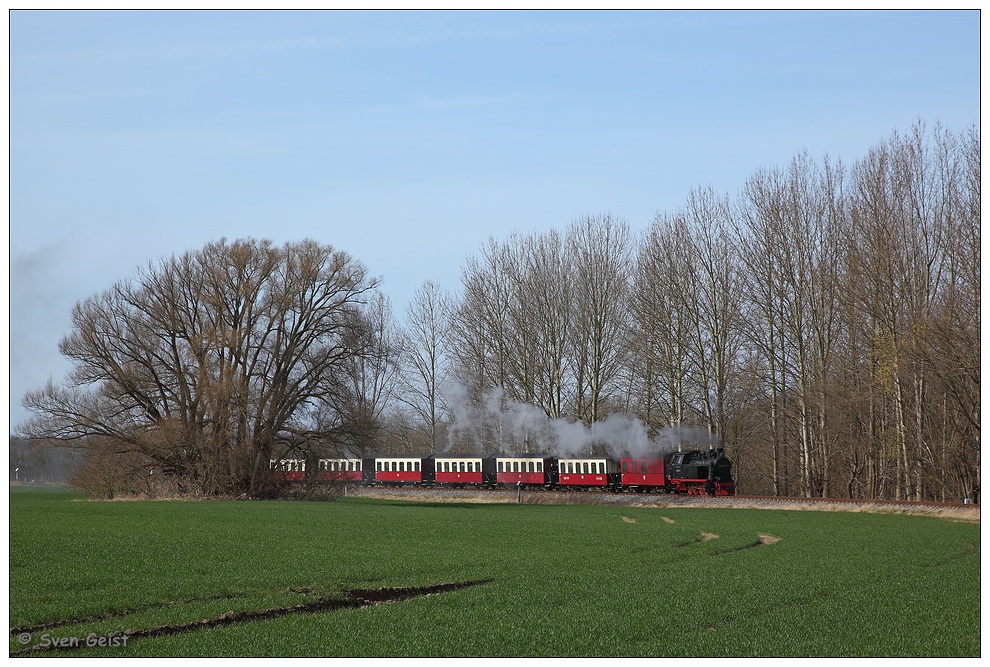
539 580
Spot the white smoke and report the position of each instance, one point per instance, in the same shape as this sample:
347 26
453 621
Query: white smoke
494 423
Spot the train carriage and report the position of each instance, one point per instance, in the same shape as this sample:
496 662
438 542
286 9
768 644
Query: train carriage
527 470
326 470
589 472
643 474
340 470
400 470
288 470
465 470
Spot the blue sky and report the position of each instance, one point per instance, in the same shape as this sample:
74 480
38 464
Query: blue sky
409 138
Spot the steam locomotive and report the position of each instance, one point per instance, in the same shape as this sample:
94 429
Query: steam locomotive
695 472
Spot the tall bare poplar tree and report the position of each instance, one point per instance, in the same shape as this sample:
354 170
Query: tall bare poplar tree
427 341
660 331
601 249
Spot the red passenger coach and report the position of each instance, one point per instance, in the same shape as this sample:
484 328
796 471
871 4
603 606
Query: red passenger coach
464 470
589 472
404 470
643 474
340 470
289 470
522 469
327 470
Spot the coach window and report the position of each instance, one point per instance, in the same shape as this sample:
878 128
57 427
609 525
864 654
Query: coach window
417 466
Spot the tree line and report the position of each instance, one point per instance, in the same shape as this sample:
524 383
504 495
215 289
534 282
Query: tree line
823 323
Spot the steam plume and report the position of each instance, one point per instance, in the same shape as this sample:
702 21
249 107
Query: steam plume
496 424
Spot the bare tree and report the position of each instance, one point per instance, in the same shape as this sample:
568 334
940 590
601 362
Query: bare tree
426 344
714 302
601 249
543 308
659 335
209 363
371 378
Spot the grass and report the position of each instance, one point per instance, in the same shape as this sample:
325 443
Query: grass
561 580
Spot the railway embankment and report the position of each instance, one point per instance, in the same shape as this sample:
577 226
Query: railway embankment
952 511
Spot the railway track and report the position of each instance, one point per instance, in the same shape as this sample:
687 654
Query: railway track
543 497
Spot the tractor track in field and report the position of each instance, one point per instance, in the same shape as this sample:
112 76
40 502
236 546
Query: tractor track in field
352 599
